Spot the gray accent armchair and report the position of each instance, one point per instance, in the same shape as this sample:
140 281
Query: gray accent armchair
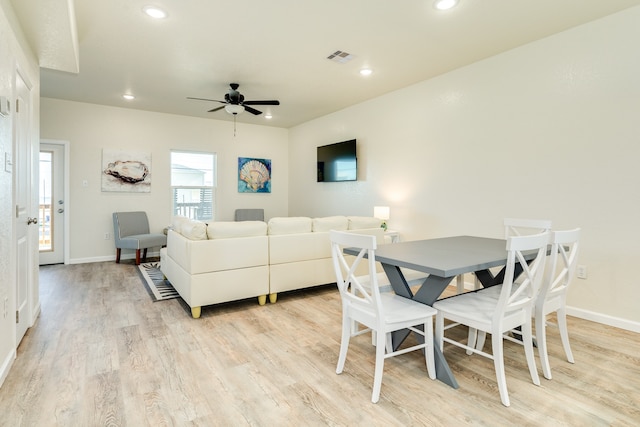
249 214
131 231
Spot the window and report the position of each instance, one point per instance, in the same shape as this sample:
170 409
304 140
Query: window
44 212
193 181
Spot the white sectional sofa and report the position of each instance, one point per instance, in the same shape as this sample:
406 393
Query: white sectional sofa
300 250
218 262
227 261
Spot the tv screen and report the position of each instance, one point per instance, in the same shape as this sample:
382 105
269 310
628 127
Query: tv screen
337 162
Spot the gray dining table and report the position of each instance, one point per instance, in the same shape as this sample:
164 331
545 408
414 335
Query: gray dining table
442 259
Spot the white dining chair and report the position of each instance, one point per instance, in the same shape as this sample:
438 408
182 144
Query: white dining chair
380 312
553 294
484 313
552 298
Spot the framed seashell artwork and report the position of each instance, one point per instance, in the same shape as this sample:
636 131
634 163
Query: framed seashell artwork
126 171
254 175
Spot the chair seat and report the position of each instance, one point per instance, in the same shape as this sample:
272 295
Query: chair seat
141 241
398 309
461 305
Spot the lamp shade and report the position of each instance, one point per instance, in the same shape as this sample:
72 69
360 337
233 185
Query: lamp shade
381 212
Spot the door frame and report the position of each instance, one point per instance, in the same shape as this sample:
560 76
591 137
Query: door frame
66 155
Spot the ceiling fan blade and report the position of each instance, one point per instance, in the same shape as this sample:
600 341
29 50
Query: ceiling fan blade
274 102
215 109
205 99
252 110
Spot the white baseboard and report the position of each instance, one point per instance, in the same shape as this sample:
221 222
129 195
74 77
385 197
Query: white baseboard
6 366
605 319
110 258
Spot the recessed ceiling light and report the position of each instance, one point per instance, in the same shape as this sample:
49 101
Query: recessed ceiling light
366 71
268 116
445 4
155 12
128 97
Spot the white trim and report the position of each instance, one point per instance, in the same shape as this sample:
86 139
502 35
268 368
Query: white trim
108 258
605 319
6 365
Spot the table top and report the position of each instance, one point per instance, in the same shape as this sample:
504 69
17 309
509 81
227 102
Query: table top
447 256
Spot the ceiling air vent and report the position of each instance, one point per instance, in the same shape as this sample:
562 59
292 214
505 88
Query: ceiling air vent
340 57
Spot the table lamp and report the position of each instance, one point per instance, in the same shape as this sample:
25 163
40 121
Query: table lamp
382 212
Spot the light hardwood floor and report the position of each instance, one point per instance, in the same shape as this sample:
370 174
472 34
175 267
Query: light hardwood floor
103 354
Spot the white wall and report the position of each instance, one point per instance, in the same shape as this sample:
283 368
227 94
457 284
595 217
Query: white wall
547 130
90 128
14 55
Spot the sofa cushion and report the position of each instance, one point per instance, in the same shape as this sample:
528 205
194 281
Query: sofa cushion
177 221
290 225
189 228
330 223
358 222
230 229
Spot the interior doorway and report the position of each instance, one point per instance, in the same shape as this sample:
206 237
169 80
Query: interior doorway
52 203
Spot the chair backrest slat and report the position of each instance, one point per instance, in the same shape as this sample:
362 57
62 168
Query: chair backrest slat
562 263
521 227
352 290
518 247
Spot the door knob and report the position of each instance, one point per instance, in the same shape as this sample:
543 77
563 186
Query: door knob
32 221
60 210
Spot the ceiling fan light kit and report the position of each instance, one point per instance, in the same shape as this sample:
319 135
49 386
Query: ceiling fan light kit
234 109
234 102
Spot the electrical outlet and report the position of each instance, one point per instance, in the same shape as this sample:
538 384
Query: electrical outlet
107 236
581 272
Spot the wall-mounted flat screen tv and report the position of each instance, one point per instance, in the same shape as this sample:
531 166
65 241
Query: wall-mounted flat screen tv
337 162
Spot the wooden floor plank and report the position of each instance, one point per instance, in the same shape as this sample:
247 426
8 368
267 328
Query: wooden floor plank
103 354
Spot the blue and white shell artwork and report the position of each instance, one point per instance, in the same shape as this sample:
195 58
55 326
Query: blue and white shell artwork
254 175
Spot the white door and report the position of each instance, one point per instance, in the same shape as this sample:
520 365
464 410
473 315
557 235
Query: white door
25 223
52 206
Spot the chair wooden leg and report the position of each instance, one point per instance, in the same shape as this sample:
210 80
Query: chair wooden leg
527 340
429 354
379 368
472 339
137 256
541 339
564 333
117 255
498 363
344 343
144 255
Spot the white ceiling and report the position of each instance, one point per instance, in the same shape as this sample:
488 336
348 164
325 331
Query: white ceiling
275 50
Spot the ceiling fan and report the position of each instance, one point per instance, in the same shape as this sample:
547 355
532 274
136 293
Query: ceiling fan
235 104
